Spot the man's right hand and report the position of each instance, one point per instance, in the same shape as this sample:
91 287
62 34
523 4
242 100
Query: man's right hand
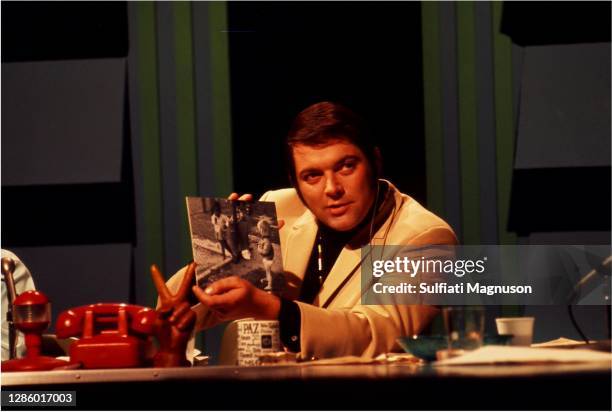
235 298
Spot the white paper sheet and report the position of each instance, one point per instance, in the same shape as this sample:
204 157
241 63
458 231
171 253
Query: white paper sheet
524 355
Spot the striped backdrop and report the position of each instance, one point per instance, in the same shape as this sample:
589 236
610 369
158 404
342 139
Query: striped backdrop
470 89
180 111
470 102
180 105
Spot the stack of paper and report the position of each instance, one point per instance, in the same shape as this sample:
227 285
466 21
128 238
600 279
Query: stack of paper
559 343
525 355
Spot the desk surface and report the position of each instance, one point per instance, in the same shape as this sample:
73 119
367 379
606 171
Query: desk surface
357 387
297 371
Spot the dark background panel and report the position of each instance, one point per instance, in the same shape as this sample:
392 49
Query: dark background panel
63 30
73 222
560 199
73 214
564 116
286 56
62 121
531 23
561 180
67 214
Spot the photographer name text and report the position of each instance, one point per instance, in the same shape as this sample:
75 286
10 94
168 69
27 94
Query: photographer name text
440 288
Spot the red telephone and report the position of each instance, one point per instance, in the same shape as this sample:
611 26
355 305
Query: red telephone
111 335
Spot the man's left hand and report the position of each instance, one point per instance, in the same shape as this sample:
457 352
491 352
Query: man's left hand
235 298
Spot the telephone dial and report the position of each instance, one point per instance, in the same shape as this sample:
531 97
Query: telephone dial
111 335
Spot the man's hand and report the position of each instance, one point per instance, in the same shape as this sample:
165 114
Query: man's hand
235 298
247 197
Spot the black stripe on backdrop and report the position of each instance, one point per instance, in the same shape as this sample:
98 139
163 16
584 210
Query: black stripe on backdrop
287 55
48 215
532 23
63 30
560 199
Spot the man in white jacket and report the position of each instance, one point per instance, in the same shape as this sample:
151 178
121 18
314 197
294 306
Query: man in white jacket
338 204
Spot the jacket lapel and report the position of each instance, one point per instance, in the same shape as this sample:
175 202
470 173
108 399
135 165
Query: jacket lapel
300 241
349 261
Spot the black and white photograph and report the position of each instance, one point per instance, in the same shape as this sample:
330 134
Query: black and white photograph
235 238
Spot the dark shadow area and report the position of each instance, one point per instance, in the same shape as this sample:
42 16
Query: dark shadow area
63 30
286 56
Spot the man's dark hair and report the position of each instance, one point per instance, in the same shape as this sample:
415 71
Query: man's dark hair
323 123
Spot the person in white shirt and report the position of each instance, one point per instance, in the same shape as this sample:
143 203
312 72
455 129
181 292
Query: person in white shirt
23 281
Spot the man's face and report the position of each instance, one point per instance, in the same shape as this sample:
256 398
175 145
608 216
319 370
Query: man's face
335 182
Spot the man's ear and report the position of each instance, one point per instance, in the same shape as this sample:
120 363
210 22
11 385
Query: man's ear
379 162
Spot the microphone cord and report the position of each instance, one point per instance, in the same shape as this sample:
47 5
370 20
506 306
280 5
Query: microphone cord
570 309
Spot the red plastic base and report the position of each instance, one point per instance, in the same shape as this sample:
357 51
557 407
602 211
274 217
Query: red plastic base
108 352
39 363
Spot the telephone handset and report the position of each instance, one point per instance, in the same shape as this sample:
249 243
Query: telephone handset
111 335
116 335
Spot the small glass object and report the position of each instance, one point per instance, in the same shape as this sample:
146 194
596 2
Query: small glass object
464 327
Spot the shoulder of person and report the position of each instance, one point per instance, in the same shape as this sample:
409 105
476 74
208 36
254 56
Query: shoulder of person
280 195
21 275
414 224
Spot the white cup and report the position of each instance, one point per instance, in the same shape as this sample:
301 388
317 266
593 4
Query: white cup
257 337
520 328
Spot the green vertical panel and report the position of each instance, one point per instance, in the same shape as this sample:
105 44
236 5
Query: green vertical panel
185 116
504 130
149 119
434 138
468 139
432 91
220 72
502 54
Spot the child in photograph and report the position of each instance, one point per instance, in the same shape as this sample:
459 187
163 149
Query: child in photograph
243 219
232 235
219 222
265 249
